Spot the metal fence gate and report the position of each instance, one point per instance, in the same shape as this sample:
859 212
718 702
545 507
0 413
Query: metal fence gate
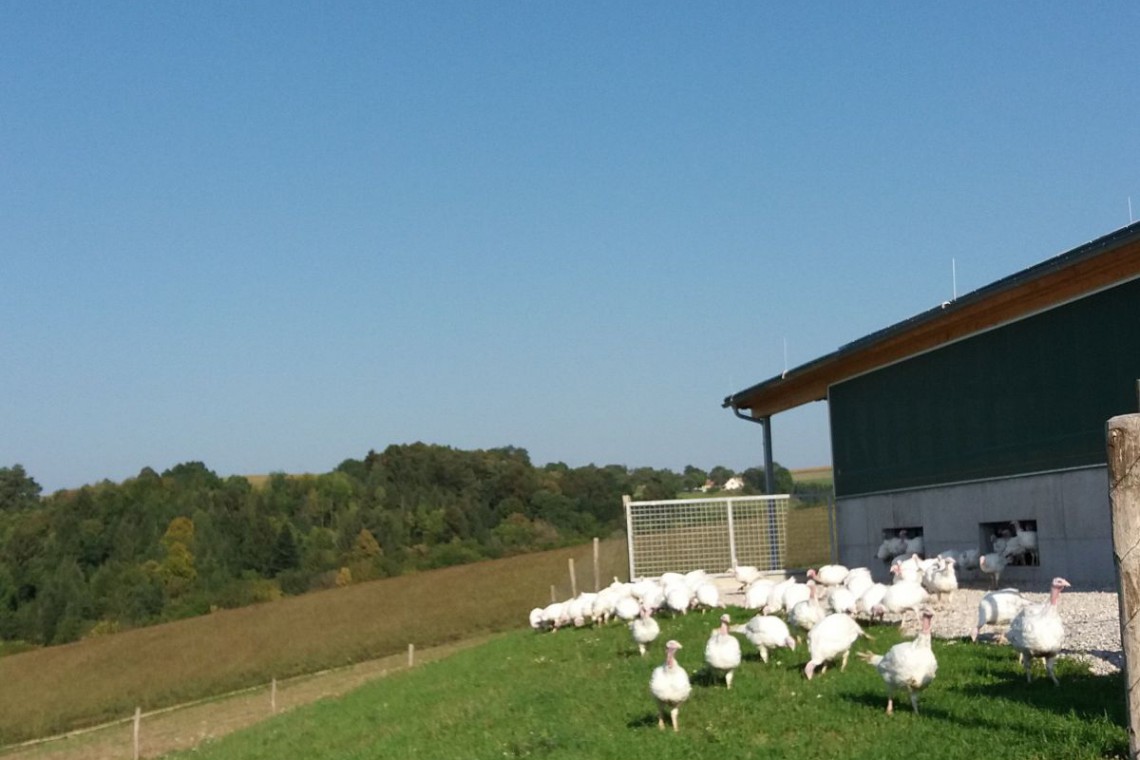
679 535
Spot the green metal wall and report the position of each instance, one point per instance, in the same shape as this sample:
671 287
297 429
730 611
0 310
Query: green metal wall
1031 396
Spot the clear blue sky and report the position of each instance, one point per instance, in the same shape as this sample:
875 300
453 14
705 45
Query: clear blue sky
271 236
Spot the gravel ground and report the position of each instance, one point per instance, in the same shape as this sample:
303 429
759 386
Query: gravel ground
1092 624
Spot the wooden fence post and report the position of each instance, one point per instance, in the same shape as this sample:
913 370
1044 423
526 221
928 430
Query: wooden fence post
573 580
138 720
552 597
597 575
411 655
1123 446
273 697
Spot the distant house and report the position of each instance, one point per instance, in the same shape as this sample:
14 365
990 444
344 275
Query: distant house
734 484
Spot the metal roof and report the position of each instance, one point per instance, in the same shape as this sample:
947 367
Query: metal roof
1096 265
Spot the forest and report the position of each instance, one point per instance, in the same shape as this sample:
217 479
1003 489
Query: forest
164 546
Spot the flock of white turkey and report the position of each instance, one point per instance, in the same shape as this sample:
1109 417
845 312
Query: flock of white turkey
824 610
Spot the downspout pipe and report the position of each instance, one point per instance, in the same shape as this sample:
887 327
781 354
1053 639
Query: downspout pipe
775 545
769 474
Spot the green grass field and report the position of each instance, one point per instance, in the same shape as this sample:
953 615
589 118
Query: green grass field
584 693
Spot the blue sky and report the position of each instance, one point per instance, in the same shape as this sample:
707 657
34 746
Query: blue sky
272 236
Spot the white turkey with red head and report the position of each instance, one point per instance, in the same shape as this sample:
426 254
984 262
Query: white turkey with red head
909 665
1038 631
722 652
669 685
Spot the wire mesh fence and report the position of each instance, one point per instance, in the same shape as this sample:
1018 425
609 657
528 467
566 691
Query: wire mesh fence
716 534
772 533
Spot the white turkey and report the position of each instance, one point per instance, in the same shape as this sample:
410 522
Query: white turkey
756 595
722 652
992 565
858 581
775 601
998 608
892 547
901 598
907 568
804 615
829 575
581 608
869 602
707 595
1014 551
627 608
653 598
829 639
766 632
644 630
793 595
940 579
536 621
746 575
555 615
841 599
909 665
1027 538
694 578
999 540
669 685
678 598
1038 631
604 604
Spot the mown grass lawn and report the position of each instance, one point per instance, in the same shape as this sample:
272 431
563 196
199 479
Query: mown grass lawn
584 694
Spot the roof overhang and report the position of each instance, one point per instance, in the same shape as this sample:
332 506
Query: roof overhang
1097 265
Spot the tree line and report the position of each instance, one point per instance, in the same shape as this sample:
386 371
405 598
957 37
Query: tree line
159 547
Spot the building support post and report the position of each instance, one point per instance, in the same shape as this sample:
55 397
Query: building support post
1123 448
769 473
776 562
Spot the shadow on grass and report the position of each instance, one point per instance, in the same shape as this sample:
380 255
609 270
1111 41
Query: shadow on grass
645 721
634 654
1081 694
708 678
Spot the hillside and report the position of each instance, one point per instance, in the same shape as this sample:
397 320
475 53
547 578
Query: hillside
165 546
59 688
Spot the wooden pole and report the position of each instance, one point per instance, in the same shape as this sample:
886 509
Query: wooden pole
573 580
552 597
1123 445
597 575
273 697
138 720
411 655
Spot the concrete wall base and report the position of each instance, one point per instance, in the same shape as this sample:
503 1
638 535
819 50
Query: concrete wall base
1071 509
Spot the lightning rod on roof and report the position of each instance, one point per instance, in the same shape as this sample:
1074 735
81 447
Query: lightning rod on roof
1130 219
954 276
785 373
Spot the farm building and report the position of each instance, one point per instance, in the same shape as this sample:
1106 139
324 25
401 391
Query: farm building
986 410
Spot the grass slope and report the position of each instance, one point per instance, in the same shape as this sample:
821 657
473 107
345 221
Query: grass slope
55 689
585 693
